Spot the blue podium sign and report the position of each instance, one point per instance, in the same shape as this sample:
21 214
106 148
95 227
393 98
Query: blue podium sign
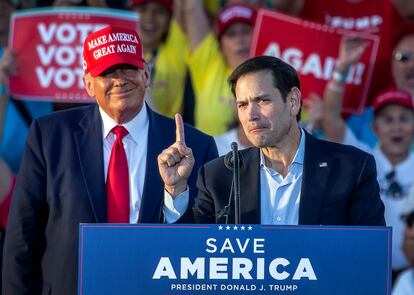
242 259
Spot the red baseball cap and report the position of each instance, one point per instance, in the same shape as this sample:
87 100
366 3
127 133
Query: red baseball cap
393 96
234 14
111 46
166 3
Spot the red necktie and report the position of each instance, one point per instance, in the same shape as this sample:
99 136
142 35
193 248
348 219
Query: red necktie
117 182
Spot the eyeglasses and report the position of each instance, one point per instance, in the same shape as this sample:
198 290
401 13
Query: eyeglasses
394 188
403 56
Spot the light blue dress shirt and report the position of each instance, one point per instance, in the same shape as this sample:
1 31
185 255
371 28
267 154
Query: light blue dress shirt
280 197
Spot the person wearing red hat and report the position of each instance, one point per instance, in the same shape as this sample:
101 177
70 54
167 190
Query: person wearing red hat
97 163
393 125
164 44
212 58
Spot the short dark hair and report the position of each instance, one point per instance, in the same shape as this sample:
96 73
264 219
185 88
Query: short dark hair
284 75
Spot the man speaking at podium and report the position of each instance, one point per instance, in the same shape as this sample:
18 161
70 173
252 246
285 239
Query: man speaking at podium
288 177
93 164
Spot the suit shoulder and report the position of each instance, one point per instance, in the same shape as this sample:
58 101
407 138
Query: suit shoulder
342 149
65 116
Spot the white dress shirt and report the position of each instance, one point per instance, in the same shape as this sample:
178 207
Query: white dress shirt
136 147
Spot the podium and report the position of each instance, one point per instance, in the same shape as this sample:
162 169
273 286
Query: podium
233 259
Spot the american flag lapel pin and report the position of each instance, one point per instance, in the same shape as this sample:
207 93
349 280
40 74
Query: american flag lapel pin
323 164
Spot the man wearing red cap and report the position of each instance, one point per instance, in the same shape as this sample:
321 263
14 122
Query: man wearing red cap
96 164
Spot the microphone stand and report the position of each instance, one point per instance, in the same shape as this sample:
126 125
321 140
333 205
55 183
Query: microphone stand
236 181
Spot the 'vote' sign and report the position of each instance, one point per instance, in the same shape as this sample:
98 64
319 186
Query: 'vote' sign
49 44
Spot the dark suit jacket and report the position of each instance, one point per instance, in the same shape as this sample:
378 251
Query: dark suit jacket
339 187
61 184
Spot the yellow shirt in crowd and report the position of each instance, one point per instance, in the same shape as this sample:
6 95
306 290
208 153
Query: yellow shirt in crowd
214 105
169 72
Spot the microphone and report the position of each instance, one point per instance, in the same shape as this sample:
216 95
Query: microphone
228 159
233 161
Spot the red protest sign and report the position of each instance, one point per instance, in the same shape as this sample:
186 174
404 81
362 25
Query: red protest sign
49 44
312 49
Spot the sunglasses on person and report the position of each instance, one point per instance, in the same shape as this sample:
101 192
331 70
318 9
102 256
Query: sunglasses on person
403 56
394 188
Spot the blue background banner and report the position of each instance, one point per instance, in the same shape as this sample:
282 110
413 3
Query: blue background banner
220 259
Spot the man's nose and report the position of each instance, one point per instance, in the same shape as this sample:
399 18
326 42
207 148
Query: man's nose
118 74
252 112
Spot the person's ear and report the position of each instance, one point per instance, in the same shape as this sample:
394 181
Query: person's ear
295 100
88 85
147 75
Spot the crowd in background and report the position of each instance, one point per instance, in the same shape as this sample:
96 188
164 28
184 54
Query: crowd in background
193 46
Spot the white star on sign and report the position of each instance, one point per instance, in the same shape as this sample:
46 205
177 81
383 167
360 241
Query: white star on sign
242 227
250 227
220 227
227 227
235 227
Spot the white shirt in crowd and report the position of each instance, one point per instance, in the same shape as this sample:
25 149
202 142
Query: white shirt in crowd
224 141
405 283
404 176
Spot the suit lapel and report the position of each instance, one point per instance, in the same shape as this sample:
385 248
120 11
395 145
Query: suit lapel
250 187
316 173
160 136
89 145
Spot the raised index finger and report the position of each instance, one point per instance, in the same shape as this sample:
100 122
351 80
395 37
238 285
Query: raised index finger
179 129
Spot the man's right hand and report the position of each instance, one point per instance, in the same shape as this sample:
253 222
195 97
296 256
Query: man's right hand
176 162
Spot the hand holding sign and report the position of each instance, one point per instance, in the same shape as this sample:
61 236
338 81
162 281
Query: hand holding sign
176 162
8 65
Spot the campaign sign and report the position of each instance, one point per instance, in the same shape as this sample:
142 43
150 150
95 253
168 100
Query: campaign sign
234 259
312 49
49 42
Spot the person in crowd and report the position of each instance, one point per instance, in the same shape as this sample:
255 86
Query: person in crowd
212 58
402 69
235 134
393 124
288 177
96 163
165 46
15 115
379 18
